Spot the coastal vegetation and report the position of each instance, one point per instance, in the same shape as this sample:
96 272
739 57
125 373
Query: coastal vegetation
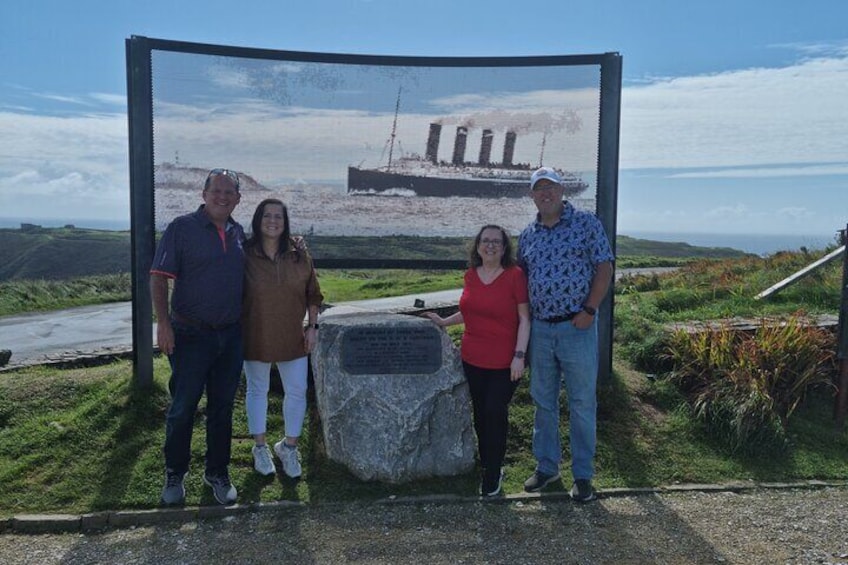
54 268
677 409
742 386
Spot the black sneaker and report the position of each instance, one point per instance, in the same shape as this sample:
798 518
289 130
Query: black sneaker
173 493
492 485
223 490
539 480
582 491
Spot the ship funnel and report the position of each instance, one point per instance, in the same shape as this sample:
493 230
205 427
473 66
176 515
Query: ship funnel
432 154
509 148
459 145
486 148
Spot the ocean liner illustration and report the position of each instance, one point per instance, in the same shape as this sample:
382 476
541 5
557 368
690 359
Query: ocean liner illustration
429 176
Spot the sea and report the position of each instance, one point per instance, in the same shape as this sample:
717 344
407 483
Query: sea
758 244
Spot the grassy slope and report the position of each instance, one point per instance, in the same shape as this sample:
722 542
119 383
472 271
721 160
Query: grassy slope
64 253
78 440
82 439
53 268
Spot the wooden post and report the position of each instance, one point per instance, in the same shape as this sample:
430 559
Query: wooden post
841 408
795 277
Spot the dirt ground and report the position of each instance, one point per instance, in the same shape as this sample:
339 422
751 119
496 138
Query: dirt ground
758 526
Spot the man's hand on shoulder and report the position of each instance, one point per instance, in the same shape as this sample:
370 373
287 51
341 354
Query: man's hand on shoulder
299 243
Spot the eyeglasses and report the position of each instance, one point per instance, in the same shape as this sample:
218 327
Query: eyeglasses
492 242
232 175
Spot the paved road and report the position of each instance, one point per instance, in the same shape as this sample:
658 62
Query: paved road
59 335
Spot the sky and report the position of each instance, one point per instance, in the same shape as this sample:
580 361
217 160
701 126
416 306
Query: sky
734 117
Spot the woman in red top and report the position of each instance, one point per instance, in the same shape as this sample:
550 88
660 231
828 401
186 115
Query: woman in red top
495 310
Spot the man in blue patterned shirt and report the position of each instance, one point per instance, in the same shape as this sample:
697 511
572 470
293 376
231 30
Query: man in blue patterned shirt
568 261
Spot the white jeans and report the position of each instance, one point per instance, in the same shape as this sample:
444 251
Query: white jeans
293 376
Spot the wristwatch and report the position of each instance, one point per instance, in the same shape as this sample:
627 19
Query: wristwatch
589 310
314 326
519 354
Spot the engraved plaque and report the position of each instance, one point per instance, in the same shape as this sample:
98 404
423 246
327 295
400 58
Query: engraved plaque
385 350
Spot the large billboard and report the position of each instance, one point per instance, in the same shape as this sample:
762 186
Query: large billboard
382 161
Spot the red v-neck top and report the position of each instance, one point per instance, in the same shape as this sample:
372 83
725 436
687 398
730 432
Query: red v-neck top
490 313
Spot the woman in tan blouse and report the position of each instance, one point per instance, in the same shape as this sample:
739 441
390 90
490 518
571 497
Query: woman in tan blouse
280 289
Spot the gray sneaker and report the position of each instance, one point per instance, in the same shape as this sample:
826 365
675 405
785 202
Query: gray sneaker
223 490
290 457
173 493
491 487
582 491
263 462
539 480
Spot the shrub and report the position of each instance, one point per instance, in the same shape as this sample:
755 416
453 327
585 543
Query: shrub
744 387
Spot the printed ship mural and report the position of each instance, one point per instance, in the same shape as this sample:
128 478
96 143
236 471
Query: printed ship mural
431 177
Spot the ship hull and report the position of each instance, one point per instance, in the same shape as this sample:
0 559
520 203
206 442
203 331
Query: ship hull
370 181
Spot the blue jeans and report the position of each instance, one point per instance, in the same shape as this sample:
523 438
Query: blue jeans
560 352
210 360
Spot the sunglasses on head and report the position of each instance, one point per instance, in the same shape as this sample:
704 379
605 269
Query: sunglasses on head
226 172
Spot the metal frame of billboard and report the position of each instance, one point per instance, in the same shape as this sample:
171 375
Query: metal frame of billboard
139 51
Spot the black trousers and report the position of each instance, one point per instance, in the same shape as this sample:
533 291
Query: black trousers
491 390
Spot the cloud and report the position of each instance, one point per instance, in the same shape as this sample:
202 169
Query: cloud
793 115
796 213
765 172
61 98
63 167
816 49
747 124
728 212
112 99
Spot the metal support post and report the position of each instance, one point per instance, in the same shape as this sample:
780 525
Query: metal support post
841 407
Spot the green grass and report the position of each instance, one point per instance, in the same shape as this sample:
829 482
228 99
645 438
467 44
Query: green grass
55 268
62 253
79 440
20 296
342 286
712 290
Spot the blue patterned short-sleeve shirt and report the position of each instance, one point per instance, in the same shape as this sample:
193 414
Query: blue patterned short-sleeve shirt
560 261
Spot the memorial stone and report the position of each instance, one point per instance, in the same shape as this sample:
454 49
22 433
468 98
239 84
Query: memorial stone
392 398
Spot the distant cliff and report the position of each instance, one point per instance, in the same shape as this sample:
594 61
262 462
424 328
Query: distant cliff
169 175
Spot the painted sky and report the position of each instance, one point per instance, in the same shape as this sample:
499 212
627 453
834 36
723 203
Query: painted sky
734 117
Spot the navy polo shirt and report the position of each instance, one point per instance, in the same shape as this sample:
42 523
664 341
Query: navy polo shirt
208 270
560 261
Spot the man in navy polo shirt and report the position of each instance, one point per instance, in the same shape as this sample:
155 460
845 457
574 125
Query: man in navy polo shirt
201 334
568 261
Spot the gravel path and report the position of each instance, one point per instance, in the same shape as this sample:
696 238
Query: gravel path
758 526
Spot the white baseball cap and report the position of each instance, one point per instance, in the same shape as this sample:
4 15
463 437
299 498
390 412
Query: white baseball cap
545 173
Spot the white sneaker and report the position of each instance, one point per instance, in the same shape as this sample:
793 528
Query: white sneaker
290 458
263 462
